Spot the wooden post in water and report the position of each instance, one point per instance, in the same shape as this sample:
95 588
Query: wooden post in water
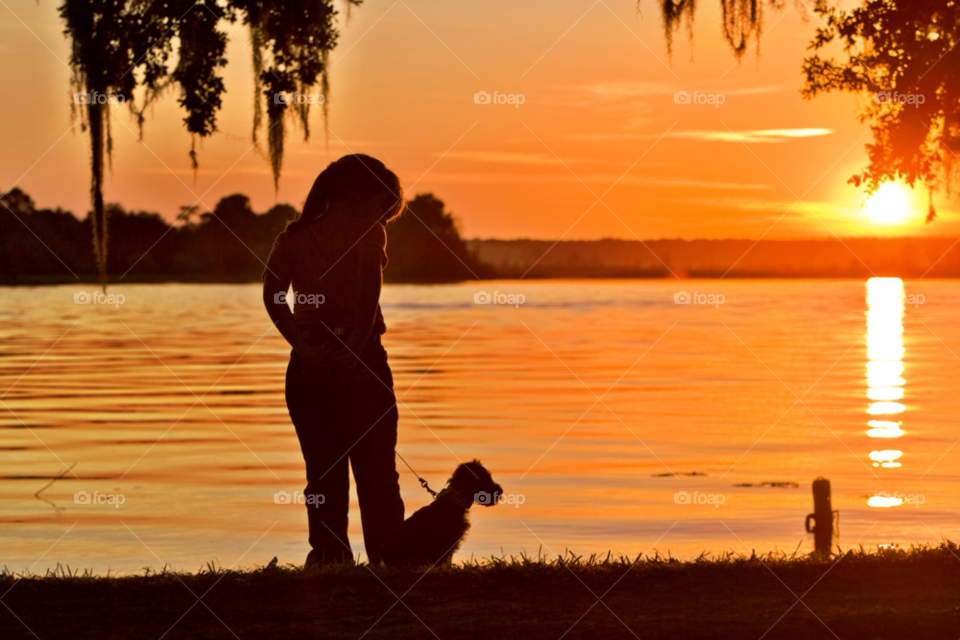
822 516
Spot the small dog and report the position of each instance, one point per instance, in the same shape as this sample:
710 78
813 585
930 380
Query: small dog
434 533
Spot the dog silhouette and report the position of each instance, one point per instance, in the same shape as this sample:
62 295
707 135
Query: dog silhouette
434 533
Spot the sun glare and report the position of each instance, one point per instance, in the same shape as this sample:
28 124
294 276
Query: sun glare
889 205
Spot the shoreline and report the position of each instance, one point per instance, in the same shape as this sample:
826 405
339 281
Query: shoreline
888 594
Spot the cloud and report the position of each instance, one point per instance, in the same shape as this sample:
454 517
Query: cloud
699 184
511 157
619 90
601 180
638 98
752 136
611 136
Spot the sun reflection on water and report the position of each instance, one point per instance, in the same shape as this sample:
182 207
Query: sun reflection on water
885 297
884 429
884 502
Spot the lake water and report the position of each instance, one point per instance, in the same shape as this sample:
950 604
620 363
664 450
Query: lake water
593 403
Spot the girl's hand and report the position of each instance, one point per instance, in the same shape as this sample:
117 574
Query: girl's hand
317 356
345 357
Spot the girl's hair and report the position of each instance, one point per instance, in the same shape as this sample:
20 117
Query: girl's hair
353 177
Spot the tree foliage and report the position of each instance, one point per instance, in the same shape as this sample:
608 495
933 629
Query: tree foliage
415 255
229 244
118 46
897 48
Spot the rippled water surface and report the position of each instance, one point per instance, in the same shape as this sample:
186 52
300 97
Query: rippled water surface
596 404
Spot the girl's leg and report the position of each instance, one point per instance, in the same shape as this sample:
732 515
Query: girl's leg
373 457
316 411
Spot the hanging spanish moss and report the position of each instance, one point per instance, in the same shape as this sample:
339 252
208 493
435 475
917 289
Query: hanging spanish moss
290 43
742 21
674 13
119 46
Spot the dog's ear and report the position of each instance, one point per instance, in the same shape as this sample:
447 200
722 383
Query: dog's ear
469 476
461 479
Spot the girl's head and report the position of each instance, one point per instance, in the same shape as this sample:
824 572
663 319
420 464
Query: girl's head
355 185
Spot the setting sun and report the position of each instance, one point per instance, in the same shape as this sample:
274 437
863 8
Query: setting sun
889 205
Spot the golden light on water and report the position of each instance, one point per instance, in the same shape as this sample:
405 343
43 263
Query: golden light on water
885 298
884 374
108 415
884 429
885 393
885 459
884 502
885 408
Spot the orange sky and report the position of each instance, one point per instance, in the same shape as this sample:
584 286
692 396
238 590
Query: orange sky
598 119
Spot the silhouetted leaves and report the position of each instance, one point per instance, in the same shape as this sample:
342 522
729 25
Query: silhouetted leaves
897 48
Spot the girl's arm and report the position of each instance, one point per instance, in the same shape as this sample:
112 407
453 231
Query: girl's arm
273 290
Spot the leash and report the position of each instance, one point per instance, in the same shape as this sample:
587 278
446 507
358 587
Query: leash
423 483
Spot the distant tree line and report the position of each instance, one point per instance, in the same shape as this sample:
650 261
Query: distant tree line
850 257
229 244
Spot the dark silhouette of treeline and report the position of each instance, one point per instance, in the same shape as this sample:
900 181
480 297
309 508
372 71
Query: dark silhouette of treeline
229 244
859 257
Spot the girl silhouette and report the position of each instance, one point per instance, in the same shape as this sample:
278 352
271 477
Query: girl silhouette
339 387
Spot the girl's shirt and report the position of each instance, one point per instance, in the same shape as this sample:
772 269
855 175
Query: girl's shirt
321 262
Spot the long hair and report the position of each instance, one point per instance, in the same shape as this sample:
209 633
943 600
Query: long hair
352 177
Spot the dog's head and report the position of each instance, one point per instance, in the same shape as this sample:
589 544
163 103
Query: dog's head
475 482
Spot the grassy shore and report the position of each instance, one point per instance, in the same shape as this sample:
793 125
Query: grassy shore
854 595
